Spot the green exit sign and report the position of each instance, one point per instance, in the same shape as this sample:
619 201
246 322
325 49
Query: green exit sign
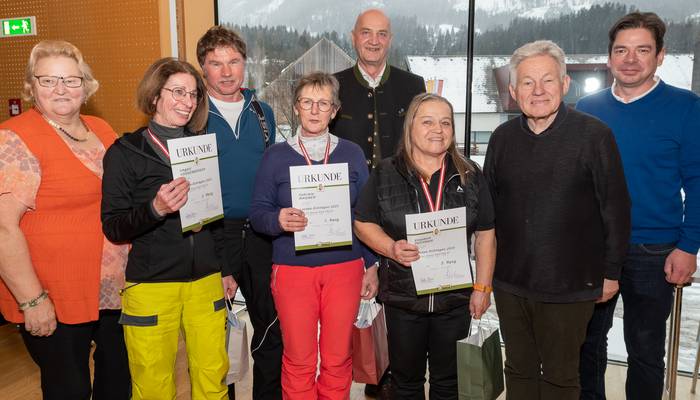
23 26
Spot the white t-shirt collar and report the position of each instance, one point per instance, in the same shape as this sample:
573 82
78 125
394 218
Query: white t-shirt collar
633 99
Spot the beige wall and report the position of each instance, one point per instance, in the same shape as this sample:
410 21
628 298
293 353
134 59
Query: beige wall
119 40
199 17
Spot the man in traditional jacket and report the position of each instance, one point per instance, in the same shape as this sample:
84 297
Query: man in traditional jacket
374 95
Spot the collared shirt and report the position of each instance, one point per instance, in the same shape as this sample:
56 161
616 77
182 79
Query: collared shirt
621 100
372 82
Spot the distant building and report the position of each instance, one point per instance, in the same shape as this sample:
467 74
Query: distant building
491 102
323 56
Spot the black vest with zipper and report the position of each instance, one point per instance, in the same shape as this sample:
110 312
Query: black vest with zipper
399 193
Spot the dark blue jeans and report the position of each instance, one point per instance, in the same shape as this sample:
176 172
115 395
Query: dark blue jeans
647 301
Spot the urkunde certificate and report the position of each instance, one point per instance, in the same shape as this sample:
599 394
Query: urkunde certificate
196 159
441 237
323 192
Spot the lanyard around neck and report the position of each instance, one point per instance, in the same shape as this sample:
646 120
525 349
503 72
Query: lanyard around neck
306 154
434 206
158 143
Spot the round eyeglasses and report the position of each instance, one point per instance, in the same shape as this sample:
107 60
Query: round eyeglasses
306 104
179 94
50 81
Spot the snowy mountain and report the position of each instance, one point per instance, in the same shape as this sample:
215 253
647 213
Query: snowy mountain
322 15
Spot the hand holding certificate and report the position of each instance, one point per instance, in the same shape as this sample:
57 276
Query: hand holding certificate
441 237
196 159
322 192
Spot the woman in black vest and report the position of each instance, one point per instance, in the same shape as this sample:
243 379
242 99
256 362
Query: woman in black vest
427 174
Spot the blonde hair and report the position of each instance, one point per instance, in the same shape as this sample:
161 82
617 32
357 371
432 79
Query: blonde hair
58 48
405 148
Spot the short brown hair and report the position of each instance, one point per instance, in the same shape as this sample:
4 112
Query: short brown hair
405 148
154 80
647 20
319 80
219 36
58 48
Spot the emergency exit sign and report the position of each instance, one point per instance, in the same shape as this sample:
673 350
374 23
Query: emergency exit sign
23 26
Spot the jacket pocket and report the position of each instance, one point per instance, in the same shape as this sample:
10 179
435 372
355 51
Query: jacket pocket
219 304
658 249
135 320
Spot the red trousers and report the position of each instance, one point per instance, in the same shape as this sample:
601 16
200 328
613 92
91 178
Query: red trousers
305 297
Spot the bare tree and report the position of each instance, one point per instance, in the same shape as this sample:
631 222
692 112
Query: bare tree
280 96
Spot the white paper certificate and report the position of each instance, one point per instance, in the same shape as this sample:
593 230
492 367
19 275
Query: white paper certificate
323 193
441 237
196 159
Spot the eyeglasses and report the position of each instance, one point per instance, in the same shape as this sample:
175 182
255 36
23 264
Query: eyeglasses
179 94
50 81
306 104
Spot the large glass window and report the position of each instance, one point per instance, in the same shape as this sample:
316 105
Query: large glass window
290 38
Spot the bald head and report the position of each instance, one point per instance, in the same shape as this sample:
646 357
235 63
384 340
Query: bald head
373 14
371 39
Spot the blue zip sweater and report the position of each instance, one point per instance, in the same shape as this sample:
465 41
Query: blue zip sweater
659 141
240 157
273 192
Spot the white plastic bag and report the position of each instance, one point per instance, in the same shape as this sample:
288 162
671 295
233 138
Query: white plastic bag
478 334
366 313
236 346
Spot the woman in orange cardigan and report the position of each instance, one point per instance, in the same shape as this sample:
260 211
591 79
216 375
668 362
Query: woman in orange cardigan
60 276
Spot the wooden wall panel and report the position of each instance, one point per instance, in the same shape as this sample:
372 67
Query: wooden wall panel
119 40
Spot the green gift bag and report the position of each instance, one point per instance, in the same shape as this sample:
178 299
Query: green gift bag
480 365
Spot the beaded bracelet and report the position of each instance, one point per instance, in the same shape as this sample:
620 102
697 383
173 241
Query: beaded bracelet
35 301
483 288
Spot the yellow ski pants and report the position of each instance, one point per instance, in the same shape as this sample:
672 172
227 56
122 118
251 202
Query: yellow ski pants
153 315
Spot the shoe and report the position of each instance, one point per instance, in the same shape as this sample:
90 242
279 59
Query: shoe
371 390
385 388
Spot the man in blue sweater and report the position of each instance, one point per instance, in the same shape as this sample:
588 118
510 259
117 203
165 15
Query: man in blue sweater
657 129
244 128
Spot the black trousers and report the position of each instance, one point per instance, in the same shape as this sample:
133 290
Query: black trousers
252 253
543 342
63 359
416 338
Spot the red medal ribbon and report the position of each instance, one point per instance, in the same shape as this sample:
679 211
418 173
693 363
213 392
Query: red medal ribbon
158 143
306 155
426 191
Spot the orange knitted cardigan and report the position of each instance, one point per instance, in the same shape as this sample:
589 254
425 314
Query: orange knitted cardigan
64 232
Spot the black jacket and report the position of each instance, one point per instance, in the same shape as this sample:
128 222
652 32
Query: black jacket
160 252
396 192
367 114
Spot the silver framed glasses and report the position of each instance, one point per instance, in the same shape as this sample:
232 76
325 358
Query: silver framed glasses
179 94
50 81
306 104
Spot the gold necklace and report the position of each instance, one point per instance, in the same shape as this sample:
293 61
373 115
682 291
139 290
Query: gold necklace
65 132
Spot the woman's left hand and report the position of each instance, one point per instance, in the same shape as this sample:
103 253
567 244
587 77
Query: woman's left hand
370 283
479 302
292 220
